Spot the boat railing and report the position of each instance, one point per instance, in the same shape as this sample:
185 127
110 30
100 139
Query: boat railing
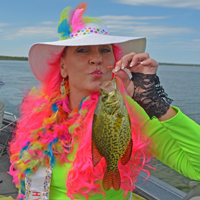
8 124
156 189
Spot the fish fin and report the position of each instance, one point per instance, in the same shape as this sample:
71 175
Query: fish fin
96 156
115 83
127 154
112 179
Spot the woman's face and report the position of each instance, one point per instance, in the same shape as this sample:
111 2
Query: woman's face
86 67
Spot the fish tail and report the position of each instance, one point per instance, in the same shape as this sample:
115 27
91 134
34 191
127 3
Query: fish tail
111 179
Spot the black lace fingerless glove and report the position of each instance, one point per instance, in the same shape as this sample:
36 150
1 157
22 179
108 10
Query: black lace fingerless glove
150 95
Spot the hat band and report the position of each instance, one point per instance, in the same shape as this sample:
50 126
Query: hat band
89 30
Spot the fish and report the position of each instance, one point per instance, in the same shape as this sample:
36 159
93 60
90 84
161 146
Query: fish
111 133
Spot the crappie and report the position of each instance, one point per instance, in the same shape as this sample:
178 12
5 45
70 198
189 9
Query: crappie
111 133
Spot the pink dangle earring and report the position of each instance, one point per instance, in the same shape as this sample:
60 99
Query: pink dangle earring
62 87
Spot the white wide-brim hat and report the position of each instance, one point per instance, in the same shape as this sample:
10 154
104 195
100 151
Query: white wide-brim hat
92 34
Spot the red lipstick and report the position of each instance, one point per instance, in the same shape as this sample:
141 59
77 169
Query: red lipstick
97 73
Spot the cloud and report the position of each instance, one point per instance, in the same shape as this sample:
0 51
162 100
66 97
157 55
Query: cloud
184 46
151 31
133 26
196 40
49 23
194 4
4 24
32 32
127 17
123 22
176 45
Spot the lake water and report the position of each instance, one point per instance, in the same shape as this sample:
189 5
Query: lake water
181 83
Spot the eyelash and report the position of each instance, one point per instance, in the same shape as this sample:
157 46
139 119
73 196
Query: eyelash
107 50
84 50
81 50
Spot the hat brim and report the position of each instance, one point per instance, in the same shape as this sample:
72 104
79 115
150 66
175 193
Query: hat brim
40 53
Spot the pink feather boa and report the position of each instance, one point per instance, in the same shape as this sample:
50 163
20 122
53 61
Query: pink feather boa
83 177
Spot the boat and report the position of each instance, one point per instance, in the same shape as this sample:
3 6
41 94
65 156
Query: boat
7 188
150 189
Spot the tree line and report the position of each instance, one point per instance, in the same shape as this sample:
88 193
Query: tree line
13 58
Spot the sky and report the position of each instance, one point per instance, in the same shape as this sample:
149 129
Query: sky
172 27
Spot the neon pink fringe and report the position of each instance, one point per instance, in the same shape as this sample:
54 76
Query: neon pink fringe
37 114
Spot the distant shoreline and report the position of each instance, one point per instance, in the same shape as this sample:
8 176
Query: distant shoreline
26 59
13 58
198 65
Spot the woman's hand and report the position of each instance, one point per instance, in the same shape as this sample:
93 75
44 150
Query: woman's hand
145 67
137 63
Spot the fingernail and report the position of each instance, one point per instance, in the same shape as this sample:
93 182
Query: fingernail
116 70
131 65
122 66
142 63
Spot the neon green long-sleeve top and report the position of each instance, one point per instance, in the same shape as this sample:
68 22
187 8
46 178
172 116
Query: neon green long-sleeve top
177 145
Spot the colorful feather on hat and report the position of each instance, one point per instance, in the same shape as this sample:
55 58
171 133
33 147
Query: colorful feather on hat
77 20
70 16
63 25
64 29
83 6
91 20
72 20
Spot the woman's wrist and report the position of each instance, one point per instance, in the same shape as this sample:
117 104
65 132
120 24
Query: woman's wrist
150 95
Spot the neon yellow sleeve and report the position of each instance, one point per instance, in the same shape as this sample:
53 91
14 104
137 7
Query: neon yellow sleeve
177 141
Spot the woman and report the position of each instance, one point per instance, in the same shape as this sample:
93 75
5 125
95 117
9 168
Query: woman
52 146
